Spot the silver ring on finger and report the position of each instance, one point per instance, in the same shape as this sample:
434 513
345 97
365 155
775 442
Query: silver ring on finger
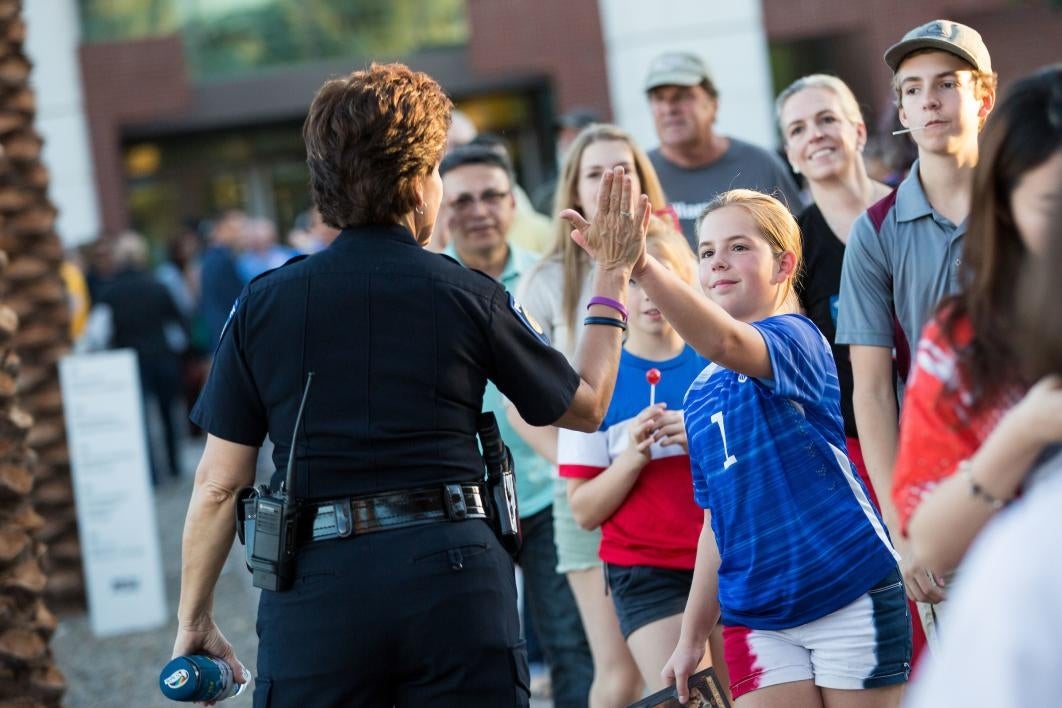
626 214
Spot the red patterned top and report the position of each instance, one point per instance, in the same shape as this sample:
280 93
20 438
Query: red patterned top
940 425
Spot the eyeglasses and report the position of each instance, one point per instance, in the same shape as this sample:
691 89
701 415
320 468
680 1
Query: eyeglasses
490 198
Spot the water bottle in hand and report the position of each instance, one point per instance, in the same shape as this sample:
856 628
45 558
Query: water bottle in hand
198 678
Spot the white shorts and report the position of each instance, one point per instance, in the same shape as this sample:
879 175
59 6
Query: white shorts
866 644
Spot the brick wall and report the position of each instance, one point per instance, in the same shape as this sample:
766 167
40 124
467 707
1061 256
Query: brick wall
124 83
560 39
1020 39
1021 36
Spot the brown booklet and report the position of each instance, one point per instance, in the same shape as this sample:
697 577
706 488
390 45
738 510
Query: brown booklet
705 692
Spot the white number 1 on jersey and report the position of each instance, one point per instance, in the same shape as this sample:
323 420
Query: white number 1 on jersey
730 459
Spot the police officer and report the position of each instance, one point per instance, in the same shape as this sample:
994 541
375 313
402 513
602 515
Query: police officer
416 603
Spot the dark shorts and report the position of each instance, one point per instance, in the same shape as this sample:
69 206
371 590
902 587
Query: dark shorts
643 594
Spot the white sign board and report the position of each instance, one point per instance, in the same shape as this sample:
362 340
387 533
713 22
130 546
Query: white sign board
112 486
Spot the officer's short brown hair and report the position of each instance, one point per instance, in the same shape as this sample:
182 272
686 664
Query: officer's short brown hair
369 136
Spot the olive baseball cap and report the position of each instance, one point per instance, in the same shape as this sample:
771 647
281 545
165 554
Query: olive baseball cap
947 36
676 69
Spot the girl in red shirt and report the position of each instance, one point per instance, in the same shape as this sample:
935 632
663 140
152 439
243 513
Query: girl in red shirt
965 443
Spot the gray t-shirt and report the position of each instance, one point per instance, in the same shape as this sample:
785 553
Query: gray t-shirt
743 165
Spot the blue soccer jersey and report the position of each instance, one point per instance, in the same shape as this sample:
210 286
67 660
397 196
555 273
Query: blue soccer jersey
796 531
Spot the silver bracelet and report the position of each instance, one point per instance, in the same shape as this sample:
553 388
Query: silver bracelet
979 492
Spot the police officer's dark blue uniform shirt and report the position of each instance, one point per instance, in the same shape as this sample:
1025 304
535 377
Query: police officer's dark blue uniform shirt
401 342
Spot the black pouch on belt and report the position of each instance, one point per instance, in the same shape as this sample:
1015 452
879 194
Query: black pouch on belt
501 483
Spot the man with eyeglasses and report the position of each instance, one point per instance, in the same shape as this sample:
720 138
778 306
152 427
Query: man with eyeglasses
481 208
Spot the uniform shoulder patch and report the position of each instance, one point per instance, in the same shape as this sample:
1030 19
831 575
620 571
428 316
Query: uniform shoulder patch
528 320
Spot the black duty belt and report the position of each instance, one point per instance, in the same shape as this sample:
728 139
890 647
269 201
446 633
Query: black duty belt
393 510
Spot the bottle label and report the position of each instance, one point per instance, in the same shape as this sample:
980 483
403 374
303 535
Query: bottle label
198 678
226 687
177 679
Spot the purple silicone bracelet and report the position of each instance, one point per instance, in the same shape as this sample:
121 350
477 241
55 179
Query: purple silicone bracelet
609 302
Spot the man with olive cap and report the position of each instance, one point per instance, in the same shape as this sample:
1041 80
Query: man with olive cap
694 162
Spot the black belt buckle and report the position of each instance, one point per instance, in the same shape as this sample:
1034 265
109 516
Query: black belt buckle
454 501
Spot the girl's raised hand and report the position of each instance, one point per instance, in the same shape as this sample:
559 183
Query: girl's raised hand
615 239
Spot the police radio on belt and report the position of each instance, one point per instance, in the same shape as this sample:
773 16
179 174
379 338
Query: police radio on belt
267 522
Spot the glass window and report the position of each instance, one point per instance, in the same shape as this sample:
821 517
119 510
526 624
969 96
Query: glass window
176 180
227 37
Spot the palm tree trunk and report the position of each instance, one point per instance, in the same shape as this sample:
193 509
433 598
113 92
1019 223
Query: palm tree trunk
36 498
34 290
28 675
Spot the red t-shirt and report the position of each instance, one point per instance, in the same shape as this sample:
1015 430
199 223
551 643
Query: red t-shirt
940 425
658 524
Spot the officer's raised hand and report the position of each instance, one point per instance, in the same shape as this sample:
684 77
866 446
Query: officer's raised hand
616 237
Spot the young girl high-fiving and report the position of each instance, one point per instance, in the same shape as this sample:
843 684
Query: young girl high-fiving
793 559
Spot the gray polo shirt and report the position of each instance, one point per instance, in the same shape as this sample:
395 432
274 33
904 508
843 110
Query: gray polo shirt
902 259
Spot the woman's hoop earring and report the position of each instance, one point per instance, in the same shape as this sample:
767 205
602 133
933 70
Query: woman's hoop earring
419 209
